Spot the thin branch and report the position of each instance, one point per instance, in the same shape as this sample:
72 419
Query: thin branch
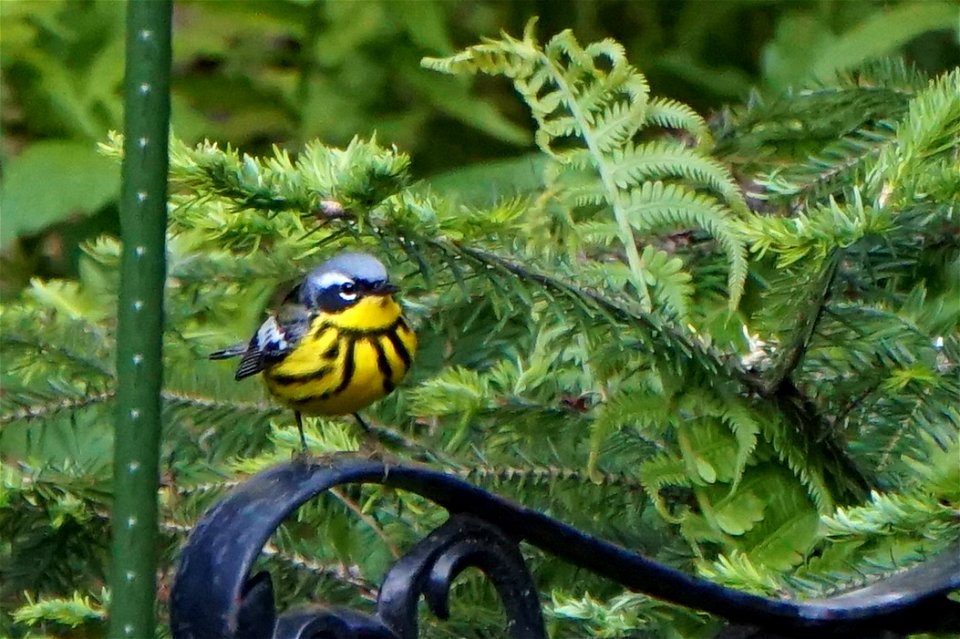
334 569
47 409
669 338
179 398
540 474
337 570
791 356
367 519
841 415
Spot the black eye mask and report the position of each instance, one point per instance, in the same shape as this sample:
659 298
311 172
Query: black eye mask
330 300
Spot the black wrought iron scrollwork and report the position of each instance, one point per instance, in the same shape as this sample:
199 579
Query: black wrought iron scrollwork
214 594
432 565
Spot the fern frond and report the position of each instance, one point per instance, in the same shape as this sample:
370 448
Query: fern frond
746 429
676 115
664 470
656 204
809 466
634 165
593 96
671 284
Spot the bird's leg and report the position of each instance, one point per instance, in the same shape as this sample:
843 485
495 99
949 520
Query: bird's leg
303 439
363 424
371 444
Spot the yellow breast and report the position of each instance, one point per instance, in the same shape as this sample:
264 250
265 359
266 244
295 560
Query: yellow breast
347 360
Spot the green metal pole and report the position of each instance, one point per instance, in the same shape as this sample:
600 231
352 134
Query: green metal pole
143 221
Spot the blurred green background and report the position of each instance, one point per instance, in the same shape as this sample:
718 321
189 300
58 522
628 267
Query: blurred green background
255 73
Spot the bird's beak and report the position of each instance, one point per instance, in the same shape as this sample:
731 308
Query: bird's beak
386 289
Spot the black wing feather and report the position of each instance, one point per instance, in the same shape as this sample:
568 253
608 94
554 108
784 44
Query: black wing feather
277 336
253 361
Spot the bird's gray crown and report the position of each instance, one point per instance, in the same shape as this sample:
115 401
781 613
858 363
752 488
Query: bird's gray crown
356 266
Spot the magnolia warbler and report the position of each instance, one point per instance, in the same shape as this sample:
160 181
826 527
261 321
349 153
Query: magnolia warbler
337 343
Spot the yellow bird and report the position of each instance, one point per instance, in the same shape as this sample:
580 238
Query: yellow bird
337 344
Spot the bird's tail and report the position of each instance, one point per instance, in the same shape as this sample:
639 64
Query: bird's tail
230 351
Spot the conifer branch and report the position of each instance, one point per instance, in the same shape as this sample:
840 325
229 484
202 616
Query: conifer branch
202 402
538 364
804 328
547 474
336 570
811 431
45 348
50 406
333 569
840 417
670 338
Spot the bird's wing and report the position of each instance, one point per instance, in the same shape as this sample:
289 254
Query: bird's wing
277 336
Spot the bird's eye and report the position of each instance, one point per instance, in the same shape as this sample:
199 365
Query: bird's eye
348 291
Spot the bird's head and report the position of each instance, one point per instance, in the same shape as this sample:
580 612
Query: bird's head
345 280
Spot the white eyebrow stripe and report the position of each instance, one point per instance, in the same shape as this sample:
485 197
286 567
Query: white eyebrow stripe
331 278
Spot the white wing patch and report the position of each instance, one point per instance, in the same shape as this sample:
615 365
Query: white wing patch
270 340
270 337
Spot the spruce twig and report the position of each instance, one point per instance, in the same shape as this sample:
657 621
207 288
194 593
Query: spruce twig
48 407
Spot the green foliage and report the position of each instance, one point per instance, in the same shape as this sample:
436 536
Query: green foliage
631 613
788 57
592 109
872 539
246 73
78 610
758 386
33 203
62 67
55 551
260 72
65 61
330 70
